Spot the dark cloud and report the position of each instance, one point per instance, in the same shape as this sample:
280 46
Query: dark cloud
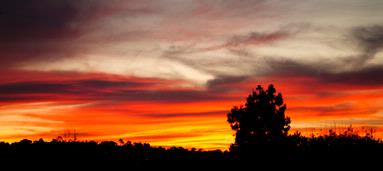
83 89
27 20
37 20
65 87
101 90
366 76
370 75
290 67
31 29
50 29
225 83
20 98
370 39
34 88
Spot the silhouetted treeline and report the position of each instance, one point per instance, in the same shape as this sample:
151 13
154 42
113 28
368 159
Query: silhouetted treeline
344 147
91 153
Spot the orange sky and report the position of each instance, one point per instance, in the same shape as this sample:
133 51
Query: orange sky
166 113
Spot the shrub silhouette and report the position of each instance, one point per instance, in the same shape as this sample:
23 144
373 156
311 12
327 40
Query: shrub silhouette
347 146
261 121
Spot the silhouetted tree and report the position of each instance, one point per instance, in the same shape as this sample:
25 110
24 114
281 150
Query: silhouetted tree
261 121
347 146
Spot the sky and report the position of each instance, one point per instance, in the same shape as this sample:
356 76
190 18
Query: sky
167 72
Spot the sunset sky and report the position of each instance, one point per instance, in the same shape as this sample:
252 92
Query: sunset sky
168 71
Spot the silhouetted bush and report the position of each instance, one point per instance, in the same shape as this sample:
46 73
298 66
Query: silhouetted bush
260 123
342 147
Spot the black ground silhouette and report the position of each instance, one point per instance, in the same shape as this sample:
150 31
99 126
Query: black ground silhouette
346 147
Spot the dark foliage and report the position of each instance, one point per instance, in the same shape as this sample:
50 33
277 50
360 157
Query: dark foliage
261 121
104 154
347 146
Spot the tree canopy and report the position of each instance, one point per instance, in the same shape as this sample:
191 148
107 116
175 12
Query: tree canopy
261 120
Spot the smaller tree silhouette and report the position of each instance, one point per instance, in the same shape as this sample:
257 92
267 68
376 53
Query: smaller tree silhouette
262 120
